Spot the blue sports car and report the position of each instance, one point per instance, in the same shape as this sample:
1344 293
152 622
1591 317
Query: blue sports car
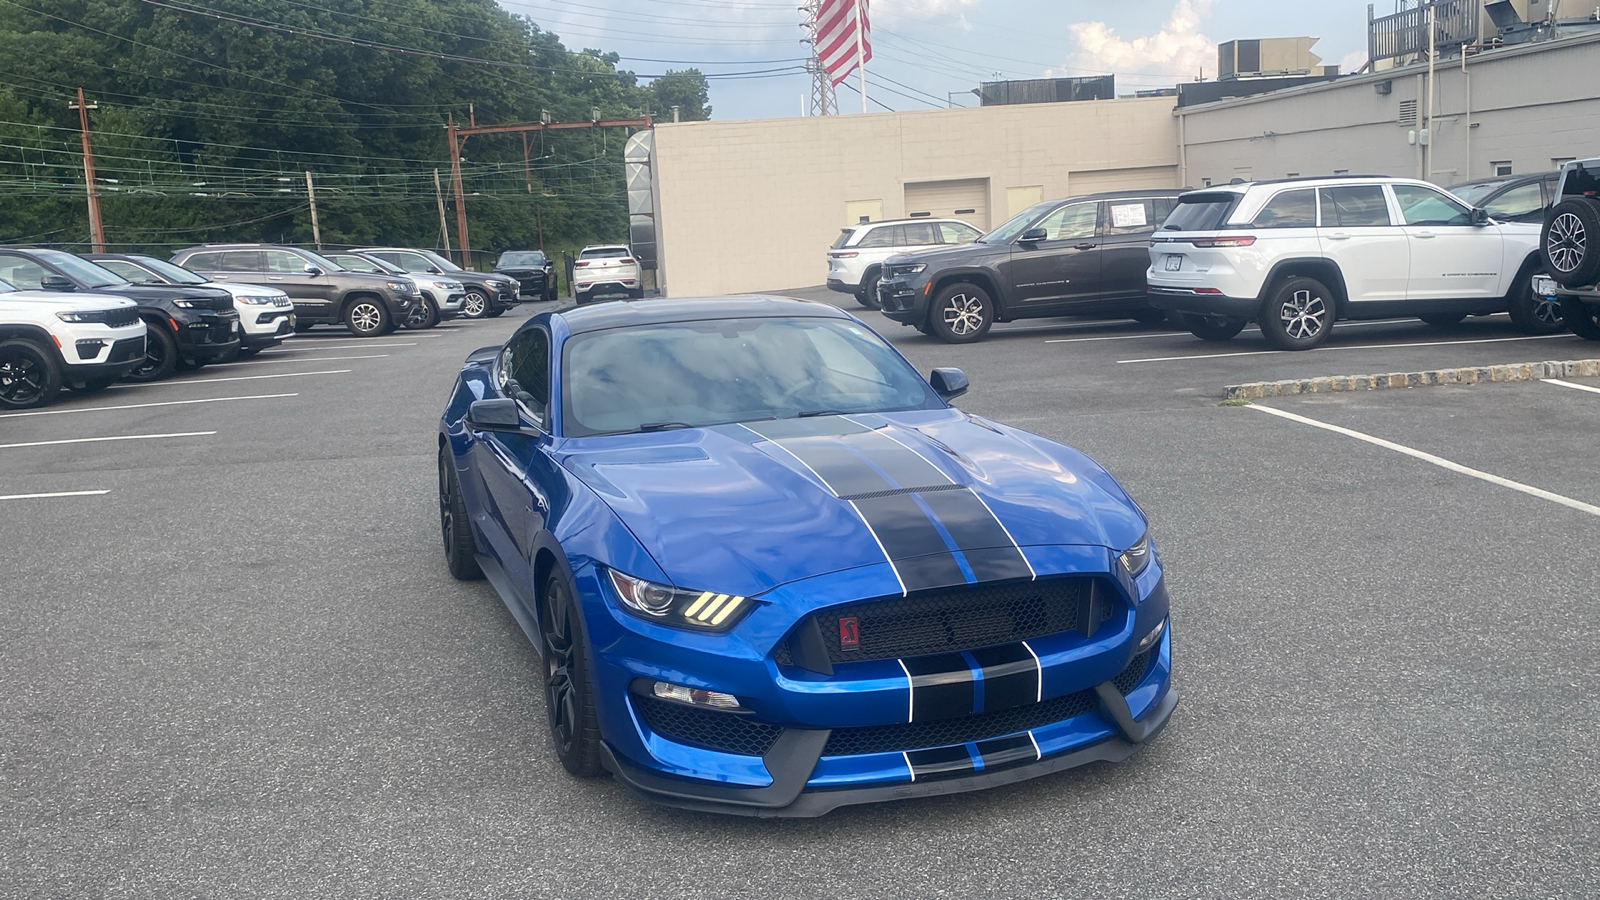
771 571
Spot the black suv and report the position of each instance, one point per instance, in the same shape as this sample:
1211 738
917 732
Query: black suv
534 272
1083 256
488 295
1511 198
194 325
323 293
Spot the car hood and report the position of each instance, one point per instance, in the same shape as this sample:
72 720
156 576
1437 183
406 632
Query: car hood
943 255
745 509
241 289
63 302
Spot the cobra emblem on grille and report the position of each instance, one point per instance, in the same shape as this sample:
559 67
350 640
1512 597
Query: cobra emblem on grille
849 633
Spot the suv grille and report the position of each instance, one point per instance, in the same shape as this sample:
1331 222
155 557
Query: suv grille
963 618
715 730
122 316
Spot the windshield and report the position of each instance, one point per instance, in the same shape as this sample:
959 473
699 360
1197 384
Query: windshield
371 265
6 287
174 273
522 258
444 265
693 374
603 253
1474 193
1018 223
80 270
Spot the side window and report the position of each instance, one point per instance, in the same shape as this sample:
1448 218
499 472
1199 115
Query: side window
1129 217
1354 207
282 262
880 237
22 273
956 233
1425 206
202 262
1521 204
1289 209
243 261
1164 207
525 372
1076 221
128 270
918 234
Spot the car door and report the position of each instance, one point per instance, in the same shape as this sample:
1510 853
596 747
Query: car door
1450 257
1523 203
287 272
515 467
1125 229
1064 265
1358 232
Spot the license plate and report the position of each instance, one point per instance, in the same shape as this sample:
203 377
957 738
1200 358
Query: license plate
1174 262
1544 285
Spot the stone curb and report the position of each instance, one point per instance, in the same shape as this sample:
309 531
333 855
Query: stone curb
1329 384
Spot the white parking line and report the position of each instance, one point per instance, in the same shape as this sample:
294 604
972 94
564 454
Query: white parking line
1530 337
62 412
320 348
54 494
298 359
1436 460
1119 337
236 378
1576 387
120 437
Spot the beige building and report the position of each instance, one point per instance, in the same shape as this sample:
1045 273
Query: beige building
753 205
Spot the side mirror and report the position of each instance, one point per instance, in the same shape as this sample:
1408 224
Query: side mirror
947 383
435 270
53 282
313 269
1480 216
1033 236
499 414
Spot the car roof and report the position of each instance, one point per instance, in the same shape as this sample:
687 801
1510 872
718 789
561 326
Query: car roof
624 313
604 247
1497 179
904 221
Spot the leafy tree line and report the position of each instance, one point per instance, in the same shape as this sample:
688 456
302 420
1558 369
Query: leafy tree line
205 123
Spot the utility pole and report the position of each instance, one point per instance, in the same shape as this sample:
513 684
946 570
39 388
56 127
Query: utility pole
444 230
461 201
97 232
823 102
316 230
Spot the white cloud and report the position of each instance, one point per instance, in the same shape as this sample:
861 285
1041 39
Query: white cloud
1352 61
1177 52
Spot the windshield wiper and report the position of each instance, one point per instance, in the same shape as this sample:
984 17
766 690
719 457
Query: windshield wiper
662 426
813 413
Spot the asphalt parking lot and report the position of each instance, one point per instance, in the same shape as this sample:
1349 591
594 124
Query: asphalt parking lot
236 665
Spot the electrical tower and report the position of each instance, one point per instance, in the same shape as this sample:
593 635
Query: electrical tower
822 99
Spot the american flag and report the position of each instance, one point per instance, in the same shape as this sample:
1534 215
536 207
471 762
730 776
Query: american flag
838 31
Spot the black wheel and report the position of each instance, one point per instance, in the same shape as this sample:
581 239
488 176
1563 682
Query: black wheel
367 317
925 328
961 314
868 294
550 294
495 312
29 375
423 315
569 702
1148 316
1297 314
160 354
1442 320
1532 312
475 305
459 553
1211 328
92 385
1570 256
1583 318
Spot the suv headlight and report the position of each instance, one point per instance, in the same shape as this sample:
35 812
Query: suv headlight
194 304
252 301
399 287
1137 558
911 270
87 315
699 610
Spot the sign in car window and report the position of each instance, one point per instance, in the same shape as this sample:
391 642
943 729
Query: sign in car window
1128 215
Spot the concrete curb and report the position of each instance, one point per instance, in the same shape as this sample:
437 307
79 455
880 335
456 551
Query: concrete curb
1329 384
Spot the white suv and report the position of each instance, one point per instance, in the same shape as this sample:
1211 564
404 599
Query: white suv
50 339
1295 255
602 268
855 261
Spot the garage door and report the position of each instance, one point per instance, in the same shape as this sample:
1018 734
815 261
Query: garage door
967 199
1080 183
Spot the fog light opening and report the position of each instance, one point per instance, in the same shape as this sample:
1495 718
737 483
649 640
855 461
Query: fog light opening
694 696
1150 639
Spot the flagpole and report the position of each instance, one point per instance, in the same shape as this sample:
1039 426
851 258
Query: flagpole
861 53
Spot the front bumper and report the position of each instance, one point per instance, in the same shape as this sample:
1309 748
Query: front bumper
210 336
115 359
904 298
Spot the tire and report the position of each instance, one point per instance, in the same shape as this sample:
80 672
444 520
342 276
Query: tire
422 316
475 305
568 698
868 294
550 294
1442 320
29 376
1148 316
1298 314
1570 241
460 554
366 317
495 313
1211 328
961 314
1531 312
160 355
925 328
1581 317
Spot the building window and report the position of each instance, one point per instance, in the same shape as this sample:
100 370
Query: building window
1556 162
1341 171
1503 167
1205 182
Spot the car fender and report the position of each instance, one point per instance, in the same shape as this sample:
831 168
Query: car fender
982 277
35 333
1319 267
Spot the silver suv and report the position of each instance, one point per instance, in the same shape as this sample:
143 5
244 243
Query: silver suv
855 261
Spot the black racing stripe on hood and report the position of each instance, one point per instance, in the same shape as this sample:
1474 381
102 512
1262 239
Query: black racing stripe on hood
972 527
911 542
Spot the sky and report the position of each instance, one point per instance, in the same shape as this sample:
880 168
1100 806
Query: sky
933 53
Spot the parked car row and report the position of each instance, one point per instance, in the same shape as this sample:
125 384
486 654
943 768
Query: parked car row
1294 255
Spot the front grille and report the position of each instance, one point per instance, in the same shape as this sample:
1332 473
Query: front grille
712 729
1134 673
127 349
122 316
962 618
944 732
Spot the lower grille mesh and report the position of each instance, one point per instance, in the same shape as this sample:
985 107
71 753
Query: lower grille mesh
711 729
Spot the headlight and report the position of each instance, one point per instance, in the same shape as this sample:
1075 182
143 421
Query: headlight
911 270
1137 558
400 287
87 315
682 609
252 301
194 304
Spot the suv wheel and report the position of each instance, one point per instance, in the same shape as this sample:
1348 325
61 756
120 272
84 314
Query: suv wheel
1570 253
1298 314
1532 312
961 314
1581 317
160 354
28 376
422 316
868 294
366 317
475 304
1211 328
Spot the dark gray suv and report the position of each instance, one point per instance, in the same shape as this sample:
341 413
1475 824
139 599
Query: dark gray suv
323 293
